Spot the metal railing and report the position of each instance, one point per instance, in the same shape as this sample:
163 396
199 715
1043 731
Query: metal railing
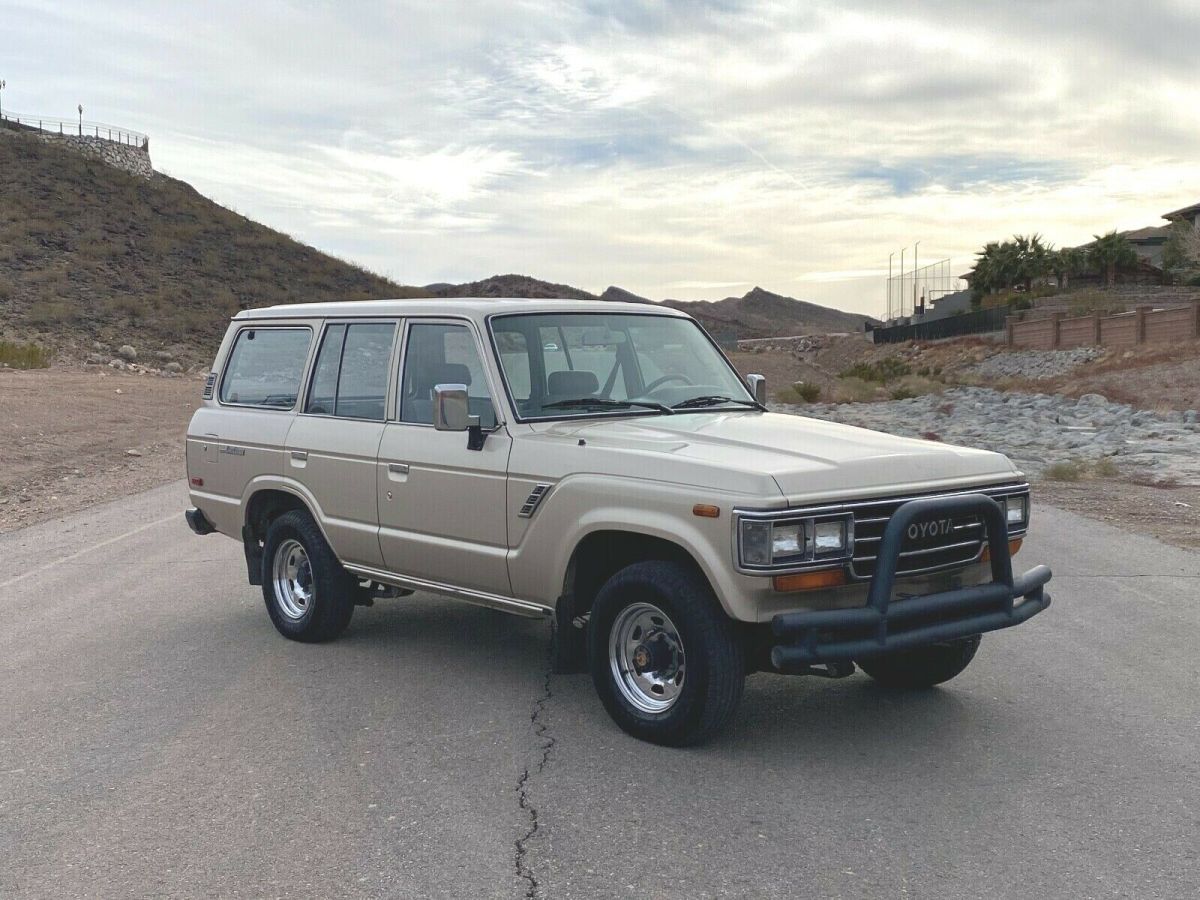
978 322
75 128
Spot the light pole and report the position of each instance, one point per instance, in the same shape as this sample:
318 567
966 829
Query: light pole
889 285
902 281
81 120
915 268
3 85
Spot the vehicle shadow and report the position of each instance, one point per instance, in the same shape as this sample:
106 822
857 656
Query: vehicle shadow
780 716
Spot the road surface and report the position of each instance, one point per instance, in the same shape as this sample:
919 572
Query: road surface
158 738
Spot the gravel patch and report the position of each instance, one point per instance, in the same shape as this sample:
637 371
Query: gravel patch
1036 364
1037 430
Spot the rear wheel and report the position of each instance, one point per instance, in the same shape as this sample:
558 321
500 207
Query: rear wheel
309 596
665 659
922 667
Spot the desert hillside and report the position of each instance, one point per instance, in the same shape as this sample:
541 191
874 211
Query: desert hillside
88 252
759 313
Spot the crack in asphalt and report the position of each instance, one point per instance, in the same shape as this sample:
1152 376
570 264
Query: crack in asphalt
541 731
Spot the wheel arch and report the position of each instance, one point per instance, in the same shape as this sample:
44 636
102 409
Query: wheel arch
263 504
600 554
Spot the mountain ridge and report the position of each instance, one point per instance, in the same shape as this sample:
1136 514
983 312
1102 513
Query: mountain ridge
91 254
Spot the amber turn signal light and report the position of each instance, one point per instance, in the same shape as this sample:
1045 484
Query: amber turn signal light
1013 546
706 510
809 581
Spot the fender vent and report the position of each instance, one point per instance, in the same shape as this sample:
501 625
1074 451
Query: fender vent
529 507
210 382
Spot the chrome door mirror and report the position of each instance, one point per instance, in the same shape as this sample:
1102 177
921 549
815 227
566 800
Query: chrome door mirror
758 387
451 409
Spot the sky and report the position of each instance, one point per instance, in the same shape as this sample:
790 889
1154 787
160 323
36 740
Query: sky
677 149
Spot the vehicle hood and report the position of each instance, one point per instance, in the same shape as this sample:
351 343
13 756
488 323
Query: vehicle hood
809 459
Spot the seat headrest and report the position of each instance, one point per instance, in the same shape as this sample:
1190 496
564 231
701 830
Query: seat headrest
449 373
573 384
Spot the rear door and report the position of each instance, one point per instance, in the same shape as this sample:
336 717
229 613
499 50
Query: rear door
332 445
442 507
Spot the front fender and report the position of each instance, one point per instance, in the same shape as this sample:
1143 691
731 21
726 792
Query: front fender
580 505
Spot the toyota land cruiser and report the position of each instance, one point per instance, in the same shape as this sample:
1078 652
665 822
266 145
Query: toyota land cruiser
604 466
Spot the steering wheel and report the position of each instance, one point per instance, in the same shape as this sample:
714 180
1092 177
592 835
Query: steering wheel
658 382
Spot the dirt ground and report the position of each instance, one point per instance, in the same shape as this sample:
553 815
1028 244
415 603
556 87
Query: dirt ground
1154 378
1170 514
66 437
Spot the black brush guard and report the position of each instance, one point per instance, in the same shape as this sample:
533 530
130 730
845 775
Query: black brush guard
883 626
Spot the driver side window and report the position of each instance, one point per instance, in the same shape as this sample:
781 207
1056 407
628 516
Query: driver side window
442 354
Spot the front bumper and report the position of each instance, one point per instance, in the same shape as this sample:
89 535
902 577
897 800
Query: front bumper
884 626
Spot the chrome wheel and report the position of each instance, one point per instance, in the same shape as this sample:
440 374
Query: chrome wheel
292 575
646 656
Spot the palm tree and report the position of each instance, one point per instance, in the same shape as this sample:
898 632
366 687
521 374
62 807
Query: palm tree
1067 262
1032 258
1109 253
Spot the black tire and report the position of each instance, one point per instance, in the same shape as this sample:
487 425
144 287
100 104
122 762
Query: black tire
922 667
714 663
333 589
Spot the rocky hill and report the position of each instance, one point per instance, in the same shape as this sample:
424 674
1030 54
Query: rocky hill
757 314
91 253
760 313
510 286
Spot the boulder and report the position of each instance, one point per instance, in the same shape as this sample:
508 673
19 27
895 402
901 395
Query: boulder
126 351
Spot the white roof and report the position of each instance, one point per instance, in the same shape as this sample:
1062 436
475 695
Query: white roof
475 307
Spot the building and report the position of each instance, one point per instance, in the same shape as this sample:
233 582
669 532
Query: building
1189 214
1148 242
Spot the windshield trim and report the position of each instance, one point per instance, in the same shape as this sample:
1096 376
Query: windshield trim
512 402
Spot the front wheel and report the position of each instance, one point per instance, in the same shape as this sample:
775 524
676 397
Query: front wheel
309 596
665 659
922 667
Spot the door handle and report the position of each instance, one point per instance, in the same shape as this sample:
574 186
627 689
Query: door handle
300 455
398 468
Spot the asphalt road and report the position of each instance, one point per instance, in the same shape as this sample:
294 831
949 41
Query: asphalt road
158 738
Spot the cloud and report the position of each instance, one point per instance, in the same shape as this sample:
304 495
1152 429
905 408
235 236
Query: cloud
663 146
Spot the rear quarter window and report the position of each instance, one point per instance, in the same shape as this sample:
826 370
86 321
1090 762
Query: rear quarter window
265 367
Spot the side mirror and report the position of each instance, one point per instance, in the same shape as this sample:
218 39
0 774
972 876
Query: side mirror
451 409
758 387
452 412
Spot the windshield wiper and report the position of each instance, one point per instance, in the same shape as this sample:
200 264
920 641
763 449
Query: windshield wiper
604 403
714 400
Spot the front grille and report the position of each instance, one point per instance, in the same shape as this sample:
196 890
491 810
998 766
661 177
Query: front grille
958 543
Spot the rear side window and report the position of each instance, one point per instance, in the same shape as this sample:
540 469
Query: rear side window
265 367
351 375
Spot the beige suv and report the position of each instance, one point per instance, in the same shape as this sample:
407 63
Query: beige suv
604 466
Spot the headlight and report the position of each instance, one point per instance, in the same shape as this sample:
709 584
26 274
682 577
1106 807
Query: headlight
1016 510
830 538
779 543
787 539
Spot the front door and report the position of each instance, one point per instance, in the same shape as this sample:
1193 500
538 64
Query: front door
442 507
332 445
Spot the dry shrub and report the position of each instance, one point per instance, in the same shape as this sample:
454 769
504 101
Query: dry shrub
23 356
854 390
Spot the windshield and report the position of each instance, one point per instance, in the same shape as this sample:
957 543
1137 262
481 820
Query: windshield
571 364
